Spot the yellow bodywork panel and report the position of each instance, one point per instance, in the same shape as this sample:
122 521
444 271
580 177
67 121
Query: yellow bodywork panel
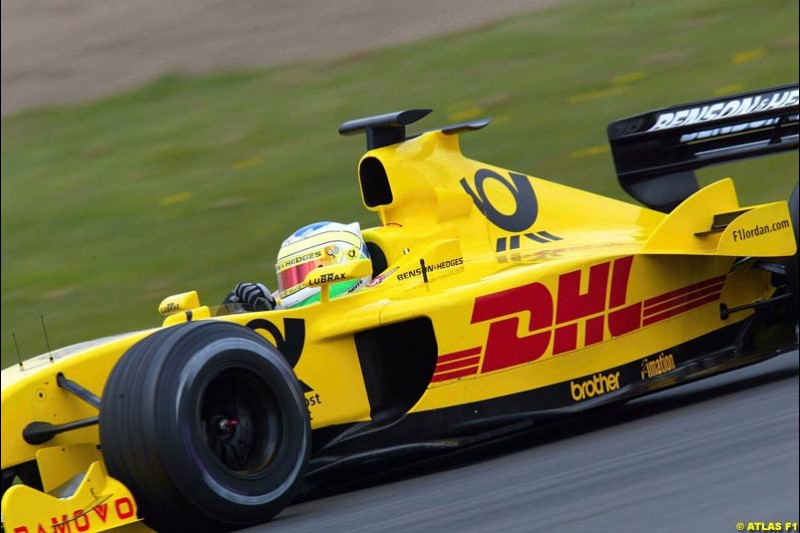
198 313
179 302
763 231
57 464
756 231
31 393
676 233
100 503
324 276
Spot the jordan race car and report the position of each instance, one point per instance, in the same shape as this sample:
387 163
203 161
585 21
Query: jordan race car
497 300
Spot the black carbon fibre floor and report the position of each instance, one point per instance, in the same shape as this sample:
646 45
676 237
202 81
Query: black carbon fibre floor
700 457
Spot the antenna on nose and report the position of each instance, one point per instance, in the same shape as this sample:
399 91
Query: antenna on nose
46 338
19 357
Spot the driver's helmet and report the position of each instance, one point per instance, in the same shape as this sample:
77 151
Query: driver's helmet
315 245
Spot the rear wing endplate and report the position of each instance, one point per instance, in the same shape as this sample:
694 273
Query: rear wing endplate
656 153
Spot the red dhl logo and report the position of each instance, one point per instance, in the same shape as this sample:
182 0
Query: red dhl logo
602 308
82 520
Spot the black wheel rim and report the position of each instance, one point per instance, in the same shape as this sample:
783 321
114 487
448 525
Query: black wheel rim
242 422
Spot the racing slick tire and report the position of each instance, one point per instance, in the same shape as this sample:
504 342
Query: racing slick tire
207 425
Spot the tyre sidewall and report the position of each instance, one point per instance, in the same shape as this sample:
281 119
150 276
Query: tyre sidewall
152 404
211 484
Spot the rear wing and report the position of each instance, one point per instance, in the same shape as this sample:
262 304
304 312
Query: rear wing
656 153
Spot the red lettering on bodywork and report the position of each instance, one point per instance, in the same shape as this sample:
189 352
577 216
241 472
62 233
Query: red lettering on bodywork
619 282
566 339
102 511
572 304
124 507
603 304
625 320
61 526
503 347
594 330
81 521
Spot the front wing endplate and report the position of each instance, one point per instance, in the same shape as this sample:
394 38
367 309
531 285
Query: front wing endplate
100 503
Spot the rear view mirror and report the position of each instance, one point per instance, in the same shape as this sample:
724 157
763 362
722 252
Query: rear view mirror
177 303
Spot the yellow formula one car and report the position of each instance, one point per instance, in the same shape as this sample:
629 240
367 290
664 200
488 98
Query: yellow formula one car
496 299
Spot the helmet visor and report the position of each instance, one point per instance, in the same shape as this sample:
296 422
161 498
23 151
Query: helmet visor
295 275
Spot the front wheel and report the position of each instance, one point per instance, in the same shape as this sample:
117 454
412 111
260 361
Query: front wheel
206 424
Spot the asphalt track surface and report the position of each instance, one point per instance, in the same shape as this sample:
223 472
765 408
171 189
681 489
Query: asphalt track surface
700 457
